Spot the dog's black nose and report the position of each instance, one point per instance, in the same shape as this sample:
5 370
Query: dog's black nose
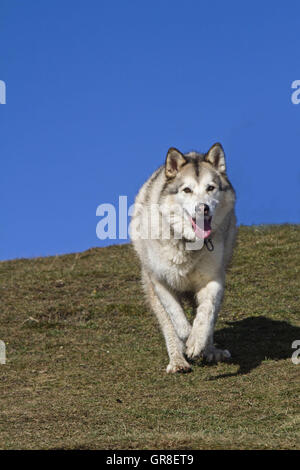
202 208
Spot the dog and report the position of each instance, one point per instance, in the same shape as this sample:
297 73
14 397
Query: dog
184 249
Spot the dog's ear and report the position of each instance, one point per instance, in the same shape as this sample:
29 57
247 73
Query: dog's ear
174 161
216 157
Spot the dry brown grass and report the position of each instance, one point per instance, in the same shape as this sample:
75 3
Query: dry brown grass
85 359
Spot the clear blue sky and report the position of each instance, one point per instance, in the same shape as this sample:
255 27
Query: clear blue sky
98 90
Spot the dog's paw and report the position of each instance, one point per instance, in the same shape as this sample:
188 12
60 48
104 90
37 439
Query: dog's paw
180 365
212 354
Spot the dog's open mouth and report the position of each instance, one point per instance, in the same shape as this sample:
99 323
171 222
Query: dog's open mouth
202 232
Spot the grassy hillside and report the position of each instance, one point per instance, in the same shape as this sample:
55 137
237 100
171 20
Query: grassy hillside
86 360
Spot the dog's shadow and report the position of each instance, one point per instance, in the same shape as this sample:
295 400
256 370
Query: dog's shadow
255 339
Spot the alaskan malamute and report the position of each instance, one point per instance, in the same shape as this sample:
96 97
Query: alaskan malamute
183 229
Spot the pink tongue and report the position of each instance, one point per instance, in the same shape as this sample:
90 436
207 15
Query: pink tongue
201 233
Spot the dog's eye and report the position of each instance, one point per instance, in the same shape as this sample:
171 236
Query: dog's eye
187 190
210 188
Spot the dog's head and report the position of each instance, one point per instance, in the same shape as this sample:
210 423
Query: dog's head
197 192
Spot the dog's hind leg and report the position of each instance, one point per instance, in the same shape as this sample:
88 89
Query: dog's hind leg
201 338
172 306
174 344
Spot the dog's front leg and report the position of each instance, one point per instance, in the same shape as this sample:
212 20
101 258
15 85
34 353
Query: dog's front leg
201 337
